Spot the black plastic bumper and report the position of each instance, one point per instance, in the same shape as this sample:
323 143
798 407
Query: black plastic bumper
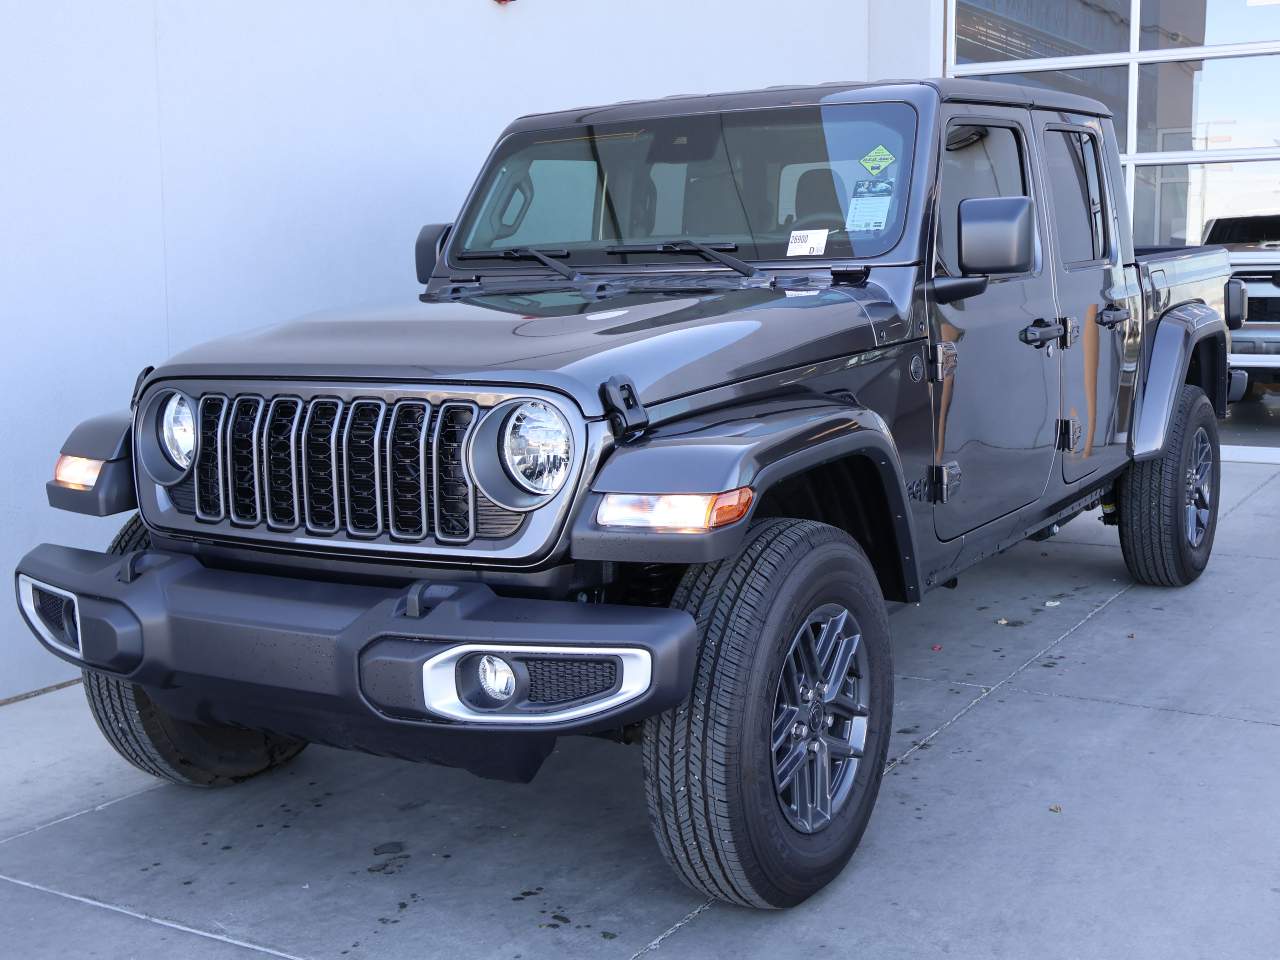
340 663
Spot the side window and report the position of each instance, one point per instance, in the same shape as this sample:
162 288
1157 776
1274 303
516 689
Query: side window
979 161
1074 174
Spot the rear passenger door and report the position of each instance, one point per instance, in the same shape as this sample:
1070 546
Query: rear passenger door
994 412
1086 266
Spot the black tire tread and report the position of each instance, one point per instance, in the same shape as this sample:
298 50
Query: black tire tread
687 759
1150 492
135 727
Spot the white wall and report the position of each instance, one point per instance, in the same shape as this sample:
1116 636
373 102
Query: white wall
173 170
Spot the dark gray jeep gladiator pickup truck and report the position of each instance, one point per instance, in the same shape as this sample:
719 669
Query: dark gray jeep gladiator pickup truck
697 389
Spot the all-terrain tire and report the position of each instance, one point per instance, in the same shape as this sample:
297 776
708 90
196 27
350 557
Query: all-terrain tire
164 746
1153 498
709 763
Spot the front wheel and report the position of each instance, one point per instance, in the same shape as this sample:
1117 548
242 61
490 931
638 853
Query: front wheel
193 754
761 784
1168 506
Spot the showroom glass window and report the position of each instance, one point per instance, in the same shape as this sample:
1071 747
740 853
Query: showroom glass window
1175 203
994 30
1208 104
1189 82
1170 24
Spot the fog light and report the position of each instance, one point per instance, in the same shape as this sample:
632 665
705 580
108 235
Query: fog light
497 679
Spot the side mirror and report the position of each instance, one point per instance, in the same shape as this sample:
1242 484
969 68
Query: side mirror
1236 304
430 245
997 235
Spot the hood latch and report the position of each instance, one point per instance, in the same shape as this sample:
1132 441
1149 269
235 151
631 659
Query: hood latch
627 415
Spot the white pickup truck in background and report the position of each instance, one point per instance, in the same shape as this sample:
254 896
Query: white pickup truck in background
1253 243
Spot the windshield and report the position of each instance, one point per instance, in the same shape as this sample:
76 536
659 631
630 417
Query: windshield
778 184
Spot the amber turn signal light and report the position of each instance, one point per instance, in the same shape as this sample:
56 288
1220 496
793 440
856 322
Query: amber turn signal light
674 512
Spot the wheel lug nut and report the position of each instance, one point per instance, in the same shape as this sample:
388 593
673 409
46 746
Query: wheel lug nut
822 689
830 721
800 731
813 746
807 694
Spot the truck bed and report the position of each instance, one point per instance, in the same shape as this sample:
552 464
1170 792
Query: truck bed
1181 274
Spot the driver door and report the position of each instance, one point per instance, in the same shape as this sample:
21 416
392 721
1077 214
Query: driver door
995 413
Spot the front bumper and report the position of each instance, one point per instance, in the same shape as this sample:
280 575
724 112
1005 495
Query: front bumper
1255 348
366 667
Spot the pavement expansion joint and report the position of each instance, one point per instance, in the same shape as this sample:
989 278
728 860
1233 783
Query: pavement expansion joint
987 691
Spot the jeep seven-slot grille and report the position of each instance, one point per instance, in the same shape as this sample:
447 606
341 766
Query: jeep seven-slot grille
243 465
360 468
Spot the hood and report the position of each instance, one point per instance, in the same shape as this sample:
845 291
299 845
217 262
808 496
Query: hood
669 343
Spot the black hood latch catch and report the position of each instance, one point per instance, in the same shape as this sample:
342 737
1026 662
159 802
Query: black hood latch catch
627 415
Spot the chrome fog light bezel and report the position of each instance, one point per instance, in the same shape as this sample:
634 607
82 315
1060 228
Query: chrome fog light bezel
449 692
27 600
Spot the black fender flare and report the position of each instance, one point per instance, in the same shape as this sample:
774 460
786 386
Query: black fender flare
1180 334
107 438
755 445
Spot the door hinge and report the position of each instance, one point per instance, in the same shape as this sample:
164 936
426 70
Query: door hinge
848 275
944 478
1069 433
1071 332
943 360
627 415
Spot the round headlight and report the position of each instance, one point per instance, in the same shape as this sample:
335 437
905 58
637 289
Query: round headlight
537 448
178 431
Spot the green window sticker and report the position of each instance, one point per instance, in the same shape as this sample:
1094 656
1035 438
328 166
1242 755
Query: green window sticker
877 160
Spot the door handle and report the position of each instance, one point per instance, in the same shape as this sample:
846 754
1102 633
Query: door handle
1112 316
1041 332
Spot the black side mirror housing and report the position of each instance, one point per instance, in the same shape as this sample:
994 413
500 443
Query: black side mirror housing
997 235
951 289
429 248
1235 304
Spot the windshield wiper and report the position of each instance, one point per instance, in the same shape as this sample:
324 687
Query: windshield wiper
709 251
527 253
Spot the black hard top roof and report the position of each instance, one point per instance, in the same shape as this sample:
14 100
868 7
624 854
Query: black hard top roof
951 89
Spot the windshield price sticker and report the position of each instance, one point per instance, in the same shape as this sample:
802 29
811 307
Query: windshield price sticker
877 160
807 243
869 206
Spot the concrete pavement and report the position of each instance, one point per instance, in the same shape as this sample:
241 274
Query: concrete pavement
1094 777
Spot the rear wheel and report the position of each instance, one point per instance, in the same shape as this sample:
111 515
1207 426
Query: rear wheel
159 744
1168 506
761 784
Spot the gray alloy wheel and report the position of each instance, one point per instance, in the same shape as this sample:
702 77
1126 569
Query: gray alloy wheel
761 784
1199 488
820 718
